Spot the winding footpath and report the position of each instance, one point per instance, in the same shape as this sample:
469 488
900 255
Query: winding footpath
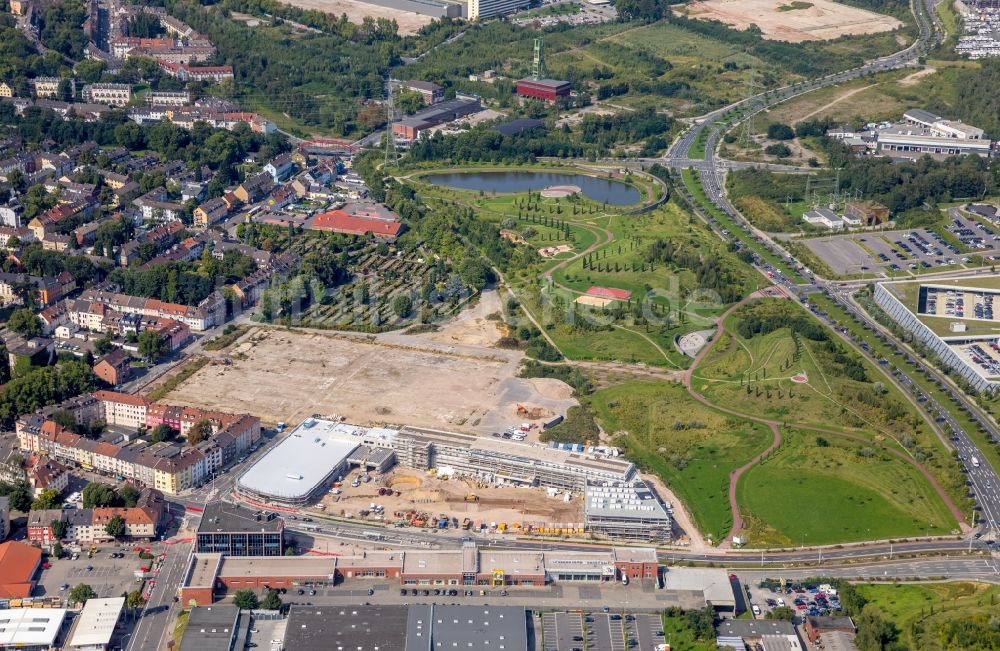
735 475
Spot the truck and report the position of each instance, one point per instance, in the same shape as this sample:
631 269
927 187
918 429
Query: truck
975 462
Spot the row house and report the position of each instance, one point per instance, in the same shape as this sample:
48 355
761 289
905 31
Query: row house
54 316
168 467
7 233
211 212
168 98
49 220
254 188
88 526
84 408
161 237
46 290
89 310
183 70
155 205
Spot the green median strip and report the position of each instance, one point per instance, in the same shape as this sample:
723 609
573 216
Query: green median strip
693 184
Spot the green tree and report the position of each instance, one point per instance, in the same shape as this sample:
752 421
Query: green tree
781 612
98 494
23 321
80 593
779 131
47 499
162 432
134 600
402 305
19 494
59 528
128 496
103 345
874 632
271 601
200 431
116 527
152 345
57 550
246 600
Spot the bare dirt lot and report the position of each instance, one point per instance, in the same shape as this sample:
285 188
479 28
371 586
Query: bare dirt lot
282 375
425 493
408 21
780 21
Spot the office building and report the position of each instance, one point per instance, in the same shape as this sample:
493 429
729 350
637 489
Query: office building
238 531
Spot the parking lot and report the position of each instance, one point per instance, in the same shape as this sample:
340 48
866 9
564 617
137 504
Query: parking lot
108 577
805 599
973 233
603 631
888 252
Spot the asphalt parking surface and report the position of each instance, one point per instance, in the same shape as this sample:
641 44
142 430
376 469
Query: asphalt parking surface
885 252
109 577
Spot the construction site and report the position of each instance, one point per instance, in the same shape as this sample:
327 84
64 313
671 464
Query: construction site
407 498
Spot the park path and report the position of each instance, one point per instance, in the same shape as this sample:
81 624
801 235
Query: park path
734 476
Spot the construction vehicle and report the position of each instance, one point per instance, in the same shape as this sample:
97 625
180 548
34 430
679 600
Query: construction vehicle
466 523
471 497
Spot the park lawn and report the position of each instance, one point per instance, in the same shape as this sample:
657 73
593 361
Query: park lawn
919 610
813 494
606 343
690 446
829 399
670 287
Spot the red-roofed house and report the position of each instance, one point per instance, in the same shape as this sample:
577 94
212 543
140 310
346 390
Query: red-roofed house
609 292
338 221
18 564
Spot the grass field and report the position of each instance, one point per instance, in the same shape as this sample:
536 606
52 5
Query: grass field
923 613
821 489
692 447
881 97
829 398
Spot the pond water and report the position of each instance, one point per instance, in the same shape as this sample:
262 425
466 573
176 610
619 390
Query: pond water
615 193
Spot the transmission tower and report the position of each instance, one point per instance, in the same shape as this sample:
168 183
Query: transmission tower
391 155
752 105
538 62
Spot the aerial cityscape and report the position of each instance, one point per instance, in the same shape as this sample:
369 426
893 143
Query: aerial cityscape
537 325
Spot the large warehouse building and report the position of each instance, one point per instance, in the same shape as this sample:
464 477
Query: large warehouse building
209 575
549 90
301 467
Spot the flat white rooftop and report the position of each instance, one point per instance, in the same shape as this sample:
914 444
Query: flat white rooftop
296 467
30 626
96 623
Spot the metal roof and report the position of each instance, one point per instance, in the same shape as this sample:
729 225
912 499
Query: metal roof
466 627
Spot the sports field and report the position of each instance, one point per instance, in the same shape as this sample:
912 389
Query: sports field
778 20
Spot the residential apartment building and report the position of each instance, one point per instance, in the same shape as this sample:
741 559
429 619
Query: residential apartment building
110 94
49 86
168 98
88 526
167 467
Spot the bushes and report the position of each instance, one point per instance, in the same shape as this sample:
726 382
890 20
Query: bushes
778 131
779 150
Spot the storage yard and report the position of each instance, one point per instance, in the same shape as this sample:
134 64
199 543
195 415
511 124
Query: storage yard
781 20
392 379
